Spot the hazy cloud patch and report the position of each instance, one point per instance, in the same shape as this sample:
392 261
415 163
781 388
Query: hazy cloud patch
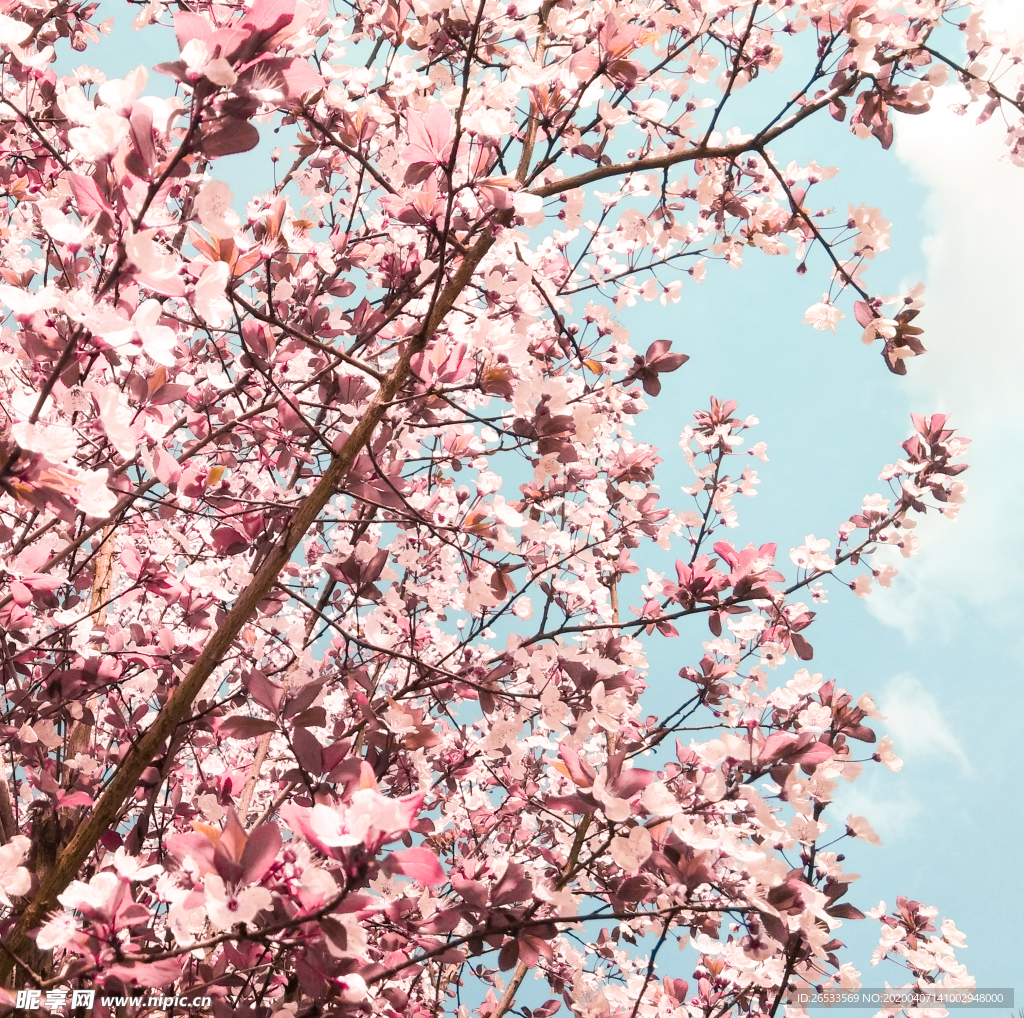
918 727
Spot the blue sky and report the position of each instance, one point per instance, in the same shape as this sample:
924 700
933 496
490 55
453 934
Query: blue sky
942 651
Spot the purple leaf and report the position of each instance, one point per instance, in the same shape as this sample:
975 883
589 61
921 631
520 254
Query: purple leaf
228 136
246 728
260 851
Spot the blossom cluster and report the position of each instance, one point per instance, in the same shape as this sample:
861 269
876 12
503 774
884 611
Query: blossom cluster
317 505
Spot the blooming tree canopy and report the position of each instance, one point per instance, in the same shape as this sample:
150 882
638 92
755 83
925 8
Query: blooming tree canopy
315 511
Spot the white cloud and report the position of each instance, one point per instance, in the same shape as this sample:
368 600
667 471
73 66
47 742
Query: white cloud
916 723
894 805
893 816
974 368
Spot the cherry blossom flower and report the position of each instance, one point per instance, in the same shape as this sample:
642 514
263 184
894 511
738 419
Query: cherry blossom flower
158 341
116 419
56 442
67 231
351 988
95 499
873 235
15 879
608 707
186 924
658 800
22 302
885 754
12 32
632 852
815 717
228 906
161 271
823 315
368 811
866 703
858 827
210 300
811 555
94 896
200 63
57 931
213 206
848 978
952 935
131 869
879 328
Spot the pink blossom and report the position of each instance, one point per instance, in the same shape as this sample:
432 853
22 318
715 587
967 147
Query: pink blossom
15 879
849 977
886 755
632 852
95 896
213 206
811 555
95 499
823 315
210 300
867 704
200 63
131 869
57 931
368 816
815 717
658 800
858 827
160 270
186 924
884 328
13 32
227 906
351 988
